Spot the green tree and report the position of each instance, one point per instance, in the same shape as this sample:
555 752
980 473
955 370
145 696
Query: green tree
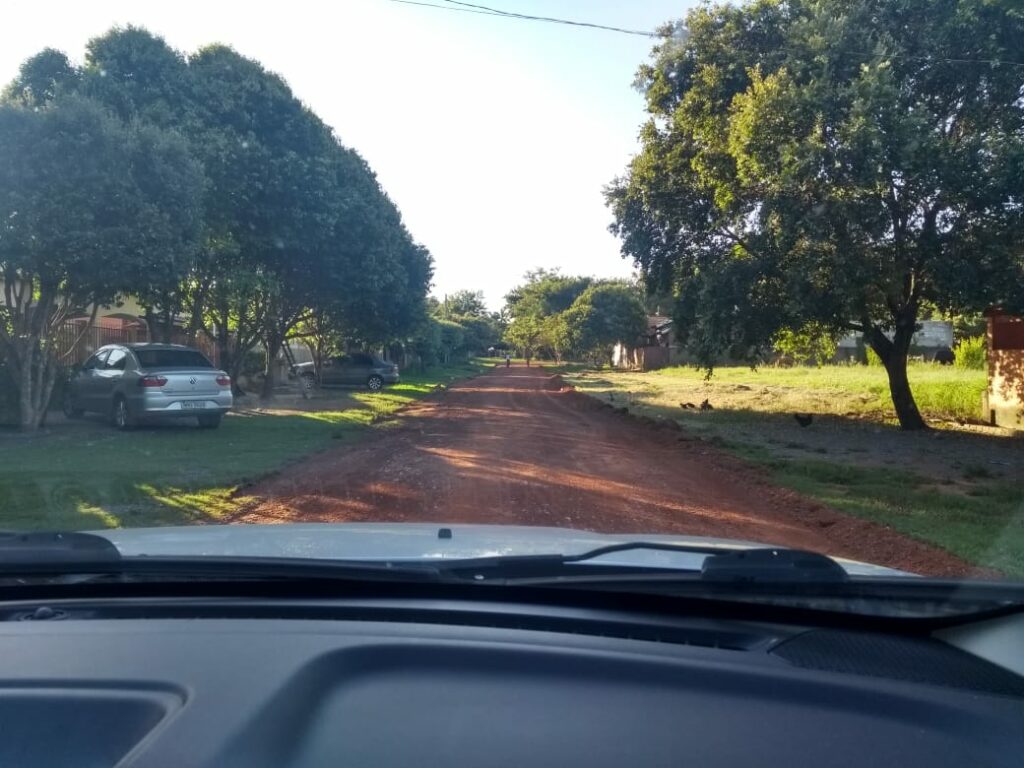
296 227
453 339
812 344
89 204
555 335
525 333
142 80
532 307
465 303
41 79
605 314
479 333
838 162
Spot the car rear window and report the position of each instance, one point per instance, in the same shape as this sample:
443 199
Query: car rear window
172 358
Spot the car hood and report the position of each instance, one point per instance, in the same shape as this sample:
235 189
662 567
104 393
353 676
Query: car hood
421 541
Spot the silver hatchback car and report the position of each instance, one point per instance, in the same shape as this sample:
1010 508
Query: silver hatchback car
137 382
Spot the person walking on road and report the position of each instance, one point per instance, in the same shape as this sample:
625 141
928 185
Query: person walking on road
508 360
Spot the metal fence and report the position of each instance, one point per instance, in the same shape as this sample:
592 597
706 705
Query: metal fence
76 341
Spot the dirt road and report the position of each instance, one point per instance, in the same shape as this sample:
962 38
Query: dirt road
515 447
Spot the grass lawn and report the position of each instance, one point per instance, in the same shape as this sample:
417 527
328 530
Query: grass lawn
960 487
83 474
942 392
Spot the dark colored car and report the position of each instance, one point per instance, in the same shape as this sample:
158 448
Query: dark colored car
354 370
137 382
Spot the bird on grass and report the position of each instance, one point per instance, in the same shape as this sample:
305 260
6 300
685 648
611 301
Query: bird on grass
803 419
706 406
687 406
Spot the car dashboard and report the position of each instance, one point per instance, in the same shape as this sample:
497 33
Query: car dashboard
391 681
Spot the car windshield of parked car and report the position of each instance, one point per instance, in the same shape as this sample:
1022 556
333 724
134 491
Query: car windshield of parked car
170 358
404 281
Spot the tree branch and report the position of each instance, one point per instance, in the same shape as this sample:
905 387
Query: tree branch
81 334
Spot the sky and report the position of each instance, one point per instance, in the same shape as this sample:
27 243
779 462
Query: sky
493 136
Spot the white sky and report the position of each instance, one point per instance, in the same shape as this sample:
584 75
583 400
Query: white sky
494 136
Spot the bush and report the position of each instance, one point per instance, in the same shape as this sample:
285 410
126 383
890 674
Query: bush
814 344
970 353
871 357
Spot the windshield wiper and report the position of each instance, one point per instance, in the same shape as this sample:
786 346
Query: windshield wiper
69 555
747 566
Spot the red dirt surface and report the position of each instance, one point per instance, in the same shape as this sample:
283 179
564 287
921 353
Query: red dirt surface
516 447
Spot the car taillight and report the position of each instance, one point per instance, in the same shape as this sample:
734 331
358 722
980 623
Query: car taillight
224 381
152 381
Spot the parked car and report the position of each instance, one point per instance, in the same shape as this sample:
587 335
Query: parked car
138 382
357 369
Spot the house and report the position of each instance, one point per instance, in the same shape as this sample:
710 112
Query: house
655 349
1003 399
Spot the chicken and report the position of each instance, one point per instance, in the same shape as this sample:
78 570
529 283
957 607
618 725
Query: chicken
687 406
803 419
706 406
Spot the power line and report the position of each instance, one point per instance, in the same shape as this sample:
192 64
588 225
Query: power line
552 20
483 10
445 7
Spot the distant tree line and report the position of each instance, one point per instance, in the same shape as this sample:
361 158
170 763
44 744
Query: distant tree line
201 186
558 316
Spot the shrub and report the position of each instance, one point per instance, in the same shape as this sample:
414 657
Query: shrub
970 353
814 344
871 357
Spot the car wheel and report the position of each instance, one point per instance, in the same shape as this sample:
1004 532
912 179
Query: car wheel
375 383
209 421
122 416
69 407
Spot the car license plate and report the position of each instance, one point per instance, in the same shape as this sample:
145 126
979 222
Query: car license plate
192 405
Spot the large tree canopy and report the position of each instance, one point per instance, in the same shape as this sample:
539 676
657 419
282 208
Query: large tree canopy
92 208
293 228
838 162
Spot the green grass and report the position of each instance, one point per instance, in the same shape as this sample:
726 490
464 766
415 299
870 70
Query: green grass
983 523
941 391
959 489
85 475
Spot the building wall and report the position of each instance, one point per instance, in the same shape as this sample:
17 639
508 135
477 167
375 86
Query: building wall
129 305
1004 398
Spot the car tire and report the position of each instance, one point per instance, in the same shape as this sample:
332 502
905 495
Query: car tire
375 383
68 406
122 415
209 421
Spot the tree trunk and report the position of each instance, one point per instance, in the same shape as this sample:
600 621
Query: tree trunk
166 325
893 354
36 378
902 397
273 342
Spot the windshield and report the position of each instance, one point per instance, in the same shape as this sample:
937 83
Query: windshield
171 358
435 281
